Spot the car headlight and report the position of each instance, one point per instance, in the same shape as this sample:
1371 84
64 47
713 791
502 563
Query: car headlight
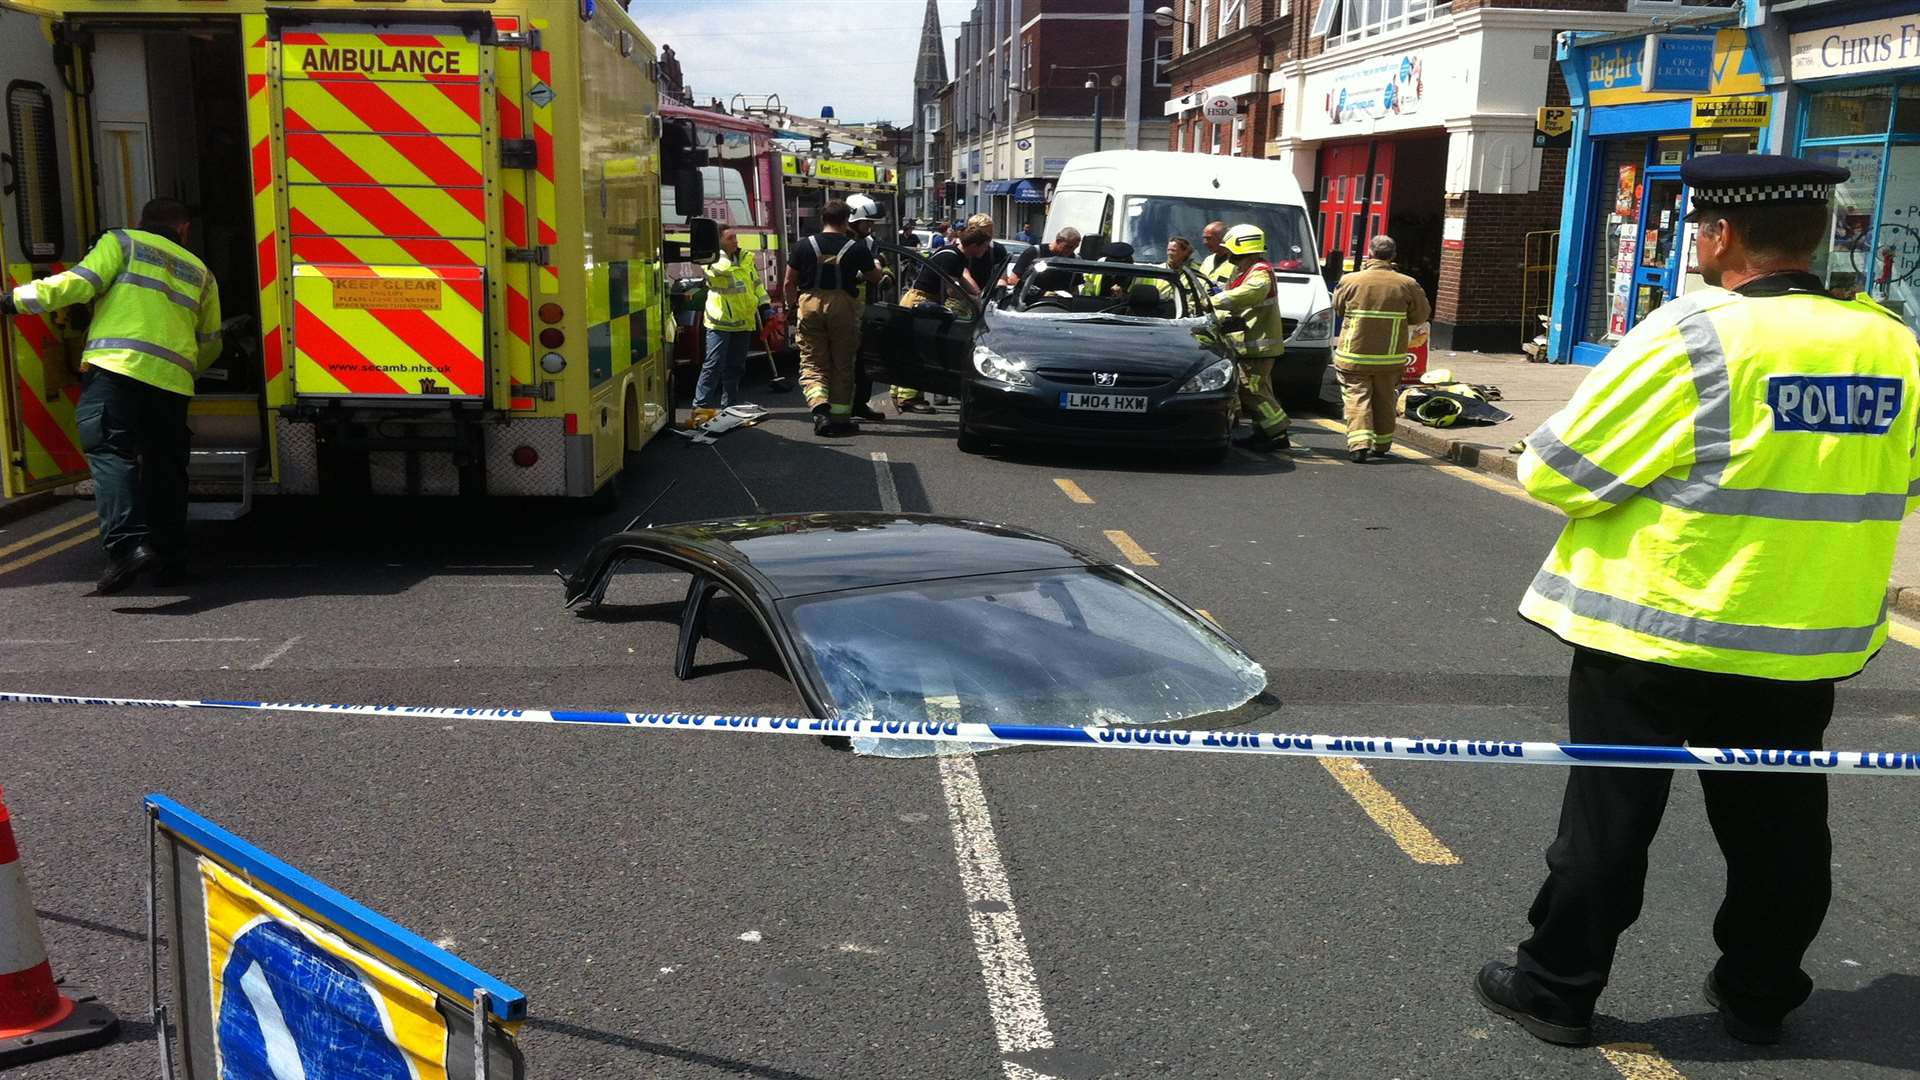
1317 326
994 366
1215 376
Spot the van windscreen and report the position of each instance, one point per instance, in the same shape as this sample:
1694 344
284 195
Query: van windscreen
1150 219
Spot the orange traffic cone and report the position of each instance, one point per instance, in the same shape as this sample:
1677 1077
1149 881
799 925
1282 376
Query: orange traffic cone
36 1019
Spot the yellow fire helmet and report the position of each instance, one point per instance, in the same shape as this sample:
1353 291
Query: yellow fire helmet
1245 240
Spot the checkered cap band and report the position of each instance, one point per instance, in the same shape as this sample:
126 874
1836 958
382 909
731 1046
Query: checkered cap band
1763 193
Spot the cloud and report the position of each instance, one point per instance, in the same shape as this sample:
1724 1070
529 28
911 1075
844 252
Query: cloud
855 55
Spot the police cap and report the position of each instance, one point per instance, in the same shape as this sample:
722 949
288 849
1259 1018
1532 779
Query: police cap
1720 181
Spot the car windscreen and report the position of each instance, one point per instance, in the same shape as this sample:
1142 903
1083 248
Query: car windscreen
1151 219
1087 645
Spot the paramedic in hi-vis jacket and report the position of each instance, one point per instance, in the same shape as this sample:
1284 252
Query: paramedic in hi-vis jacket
155 328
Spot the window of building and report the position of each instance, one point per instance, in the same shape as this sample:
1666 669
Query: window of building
1162 56
1204 19
1239 133
1186 13
1871 246
1233 16
1341 21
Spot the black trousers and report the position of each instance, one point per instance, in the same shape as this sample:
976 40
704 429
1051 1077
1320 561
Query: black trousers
137 444
1771 828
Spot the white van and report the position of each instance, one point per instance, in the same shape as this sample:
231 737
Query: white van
1142 197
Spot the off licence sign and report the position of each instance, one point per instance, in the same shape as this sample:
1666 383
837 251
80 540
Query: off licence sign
386 294
1733 111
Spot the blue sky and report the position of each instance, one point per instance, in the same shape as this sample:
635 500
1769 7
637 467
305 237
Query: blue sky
856 55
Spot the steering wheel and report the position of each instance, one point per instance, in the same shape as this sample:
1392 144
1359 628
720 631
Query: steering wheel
1051 305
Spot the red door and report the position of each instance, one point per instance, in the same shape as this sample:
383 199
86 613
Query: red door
1353 199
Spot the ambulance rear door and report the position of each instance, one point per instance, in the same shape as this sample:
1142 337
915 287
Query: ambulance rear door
390 178
41 230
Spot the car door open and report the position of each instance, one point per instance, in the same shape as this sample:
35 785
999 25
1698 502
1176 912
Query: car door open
929 346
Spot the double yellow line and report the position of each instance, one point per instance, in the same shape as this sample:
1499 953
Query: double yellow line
53 547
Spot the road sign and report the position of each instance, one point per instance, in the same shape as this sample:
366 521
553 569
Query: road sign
1553 127
1219 108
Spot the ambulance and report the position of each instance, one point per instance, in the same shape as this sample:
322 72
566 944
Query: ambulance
436 227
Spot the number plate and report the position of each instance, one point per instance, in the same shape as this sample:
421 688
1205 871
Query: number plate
1104 402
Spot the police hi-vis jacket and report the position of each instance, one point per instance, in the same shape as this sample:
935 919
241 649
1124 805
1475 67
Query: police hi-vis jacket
735 292
1736 471
158 316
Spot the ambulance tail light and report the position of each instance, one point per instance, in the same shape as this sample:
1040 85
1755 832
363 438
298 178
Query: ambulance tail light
551 313
572 424
552 337
526 456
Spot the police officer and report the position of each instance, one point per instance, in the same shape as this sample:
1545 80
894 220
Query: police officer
823 277
736 306
1256 332
1735 472
156 326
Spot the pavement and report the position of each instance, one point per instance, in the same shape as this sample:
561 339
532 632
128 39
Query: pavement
684 905
1533 393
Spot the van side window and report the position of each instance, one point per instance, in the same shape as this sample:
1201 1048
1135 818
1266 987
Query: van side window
34 162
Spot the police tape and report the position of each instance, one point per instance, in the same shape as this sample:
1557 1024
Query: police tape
1102 737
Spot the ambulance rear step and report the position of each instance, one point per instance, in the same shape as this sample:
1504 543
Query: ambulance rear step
224 473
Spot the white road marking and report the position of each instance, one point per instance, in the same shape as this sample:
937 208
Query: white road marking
284 649
883 476
35 641
1013 989
752 937
201 640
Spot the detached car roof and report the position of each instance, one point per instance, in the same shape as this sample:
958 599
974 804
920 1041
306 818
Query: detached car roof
805 554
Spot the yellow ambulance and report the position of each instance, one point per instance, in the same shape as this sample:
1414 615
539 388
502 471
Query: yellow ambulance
435 225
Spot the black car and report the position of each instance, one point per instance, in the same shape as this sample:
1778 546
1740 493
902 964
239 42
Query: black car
1078 352
907 617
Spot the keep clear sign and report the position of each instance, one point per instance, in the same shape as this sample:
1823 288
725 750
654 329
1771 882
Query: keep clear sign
278 977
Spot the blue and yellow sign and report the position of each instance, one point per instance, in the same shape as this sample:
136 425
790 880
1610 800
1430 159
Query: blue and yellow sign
277 976
1615 73
293 1000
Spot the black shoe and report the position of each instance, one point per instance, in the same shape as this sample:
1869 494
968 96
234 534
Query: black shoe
1264 444
121 573
1358 456
1495 986
836 429
867 412
1747 1031
1383 451
914 405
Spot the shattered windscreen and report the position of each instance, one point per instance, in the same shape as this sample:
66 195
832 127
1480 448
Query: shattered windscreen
1088 645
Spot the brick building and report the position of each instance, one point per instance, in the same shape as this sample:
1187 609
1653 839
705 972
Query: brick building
1023 100
1413 117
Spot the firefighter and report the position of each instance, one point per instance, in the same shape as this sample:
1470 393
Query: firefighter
737 305
862 212
1218 265
1379 307
155 328
821 287
1257 334
1735 473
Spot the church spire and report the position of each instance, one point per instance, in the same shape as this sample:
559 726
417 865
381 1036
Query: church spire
931 72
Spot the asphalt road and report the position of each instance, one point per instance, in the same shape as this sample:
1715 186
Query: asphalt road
697 906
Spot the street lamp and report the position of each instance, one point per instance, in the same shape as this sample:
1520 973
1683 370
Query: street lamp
1164 18
1099 119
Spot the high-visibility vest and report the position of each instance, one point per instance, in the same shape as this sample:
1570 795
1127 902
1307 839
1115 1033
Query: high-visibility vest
1736 471
734 293
1252 296
157 318
1217 267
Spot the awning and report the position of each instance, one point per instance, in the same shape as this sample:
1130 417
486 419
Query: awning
997 187
1029 191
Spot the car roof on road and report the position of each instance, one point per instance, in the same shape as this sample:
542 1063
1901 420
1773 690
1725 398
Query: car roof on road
802 554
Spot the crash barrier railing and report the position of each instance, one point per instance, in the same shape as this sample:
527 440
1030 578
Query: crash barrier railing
1100 737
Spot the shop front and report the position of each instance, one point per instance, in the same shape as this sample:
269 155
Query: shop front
1644 106
1858 88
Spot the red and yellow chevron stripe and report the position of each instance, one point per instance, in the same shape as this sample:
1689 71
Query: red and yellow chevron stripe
545 204
47 393
386 212
513 221
266 214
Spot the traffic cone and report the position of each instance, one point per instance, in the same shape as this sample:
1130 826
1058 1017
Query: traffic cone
36 1019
